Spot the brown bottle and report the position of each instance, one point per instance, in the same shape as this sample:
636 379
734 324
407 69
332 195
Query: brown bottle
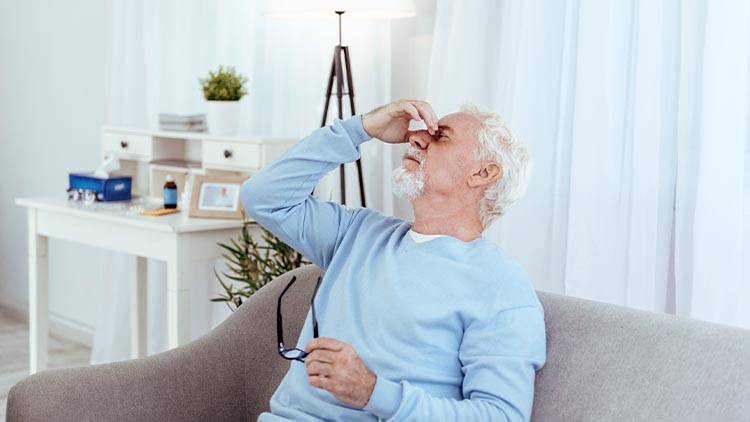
170 193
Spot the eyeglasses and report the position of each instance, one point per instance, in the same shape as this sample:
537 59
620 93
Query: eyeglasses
294 353
88 196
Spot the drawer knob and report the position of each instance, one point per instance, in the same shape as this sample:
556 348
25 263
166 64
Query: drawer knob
227 153
123 144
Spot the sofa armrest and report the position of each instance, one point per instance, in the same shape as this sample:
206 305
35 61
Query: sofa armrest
228 374
202 380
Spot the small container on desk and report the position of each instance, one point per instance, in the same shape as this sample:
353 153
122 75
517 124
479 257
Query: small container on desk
114 188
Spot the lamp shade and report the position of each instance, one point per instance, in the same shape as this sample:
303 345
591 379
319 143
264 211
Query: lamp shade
355 9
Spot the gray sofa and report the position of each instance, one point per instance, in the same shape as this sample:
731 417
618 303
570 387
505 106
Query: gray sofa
604 363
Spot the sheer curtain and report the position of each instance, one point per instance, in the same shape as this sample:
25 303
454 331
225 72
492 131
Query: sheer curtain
636 117
160 49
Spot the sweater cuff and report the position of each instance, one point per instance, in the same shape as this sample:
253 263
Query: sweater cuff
385 398
356 130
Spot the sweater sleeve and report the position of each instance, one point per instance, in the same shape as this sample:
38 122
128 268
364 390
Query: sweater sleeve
279 196
499 355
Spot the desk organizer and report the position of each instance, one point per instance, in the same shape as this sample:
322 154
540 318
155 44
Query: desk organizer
114 188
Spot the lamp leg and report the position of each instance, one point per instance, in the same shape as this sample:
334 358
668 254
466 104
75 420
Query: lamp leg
350 90
349 83
339 98
344 86
361 183
339 80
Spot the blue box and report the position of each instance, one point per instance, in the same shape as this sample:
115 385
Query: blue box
115 188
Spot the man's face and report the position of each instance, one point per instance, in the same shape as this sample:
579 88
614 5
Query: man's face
439 164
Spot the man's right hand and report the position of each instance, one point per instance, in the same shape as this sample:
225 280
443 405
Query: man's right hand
390 123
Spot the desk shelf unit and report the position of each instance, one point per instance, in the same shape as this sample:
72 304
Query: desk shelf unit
140 150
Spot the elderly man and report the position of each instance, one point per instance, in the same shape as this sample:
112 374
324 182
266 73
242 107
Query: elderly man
422 321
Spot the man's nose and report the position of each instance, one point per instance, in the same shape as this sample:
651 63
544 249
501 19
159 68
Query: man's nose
420 139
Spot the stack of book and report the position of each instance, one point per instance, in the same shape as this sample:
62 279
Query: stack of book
183 123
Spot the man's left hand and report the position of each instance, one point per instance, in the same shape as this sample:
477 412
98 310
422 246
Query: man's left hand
335 367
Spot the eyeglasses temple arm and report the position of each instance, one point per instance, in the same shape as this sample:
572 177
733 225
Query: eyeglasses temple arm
279 331
312 305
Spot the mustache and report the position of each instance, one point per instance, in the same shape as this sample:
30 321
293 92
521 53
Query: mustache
415 154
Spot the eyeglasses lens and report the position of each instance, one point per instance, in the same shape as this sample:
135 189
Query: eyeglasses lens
87 196
295 354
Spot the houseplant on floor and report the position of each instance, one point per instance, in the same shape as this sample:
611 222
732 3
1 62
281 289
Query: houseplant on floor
252 265
223 90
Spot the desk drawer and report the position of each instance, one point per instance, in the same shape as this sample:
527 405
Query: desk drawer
127 146
231 155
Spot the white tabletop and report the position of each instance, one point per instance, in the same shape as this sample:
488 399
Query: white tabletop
128 213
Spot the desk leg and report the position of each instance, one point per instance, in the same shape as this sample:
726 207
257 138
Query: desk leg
138 306
178 293
38 297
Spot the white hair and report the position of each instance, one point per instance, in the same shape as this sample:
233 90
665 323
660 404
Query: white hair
496 142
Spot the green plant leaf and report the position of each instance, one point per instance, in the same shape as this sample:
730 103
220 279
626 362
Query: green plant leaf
253 265
235 278
225 84
234 251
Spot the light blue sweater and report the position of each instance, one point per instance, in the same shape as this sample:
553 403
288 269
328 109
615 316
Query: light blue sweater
453 330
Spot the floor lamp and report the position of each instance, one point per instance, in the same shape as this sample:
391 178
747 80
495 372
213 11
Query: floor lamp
341 70
341 54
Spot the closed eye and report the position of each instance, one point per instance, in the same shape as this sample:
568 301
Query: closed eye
439 136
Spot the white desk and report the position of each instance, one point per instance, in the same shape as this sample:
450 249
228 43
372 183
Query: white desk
174 238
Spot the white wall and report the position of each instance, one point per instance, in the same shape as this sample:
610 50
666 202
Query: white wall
52 96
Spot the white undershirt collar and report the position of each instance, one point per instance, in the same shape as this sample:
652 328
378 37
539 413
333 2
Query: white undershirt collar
419 237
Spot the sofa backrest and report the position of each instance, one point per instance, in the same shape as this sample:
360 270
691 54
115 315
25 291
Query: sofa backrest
611 363
604 362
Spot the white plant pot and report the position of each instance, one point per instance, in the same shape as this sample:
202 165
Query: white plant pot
223 117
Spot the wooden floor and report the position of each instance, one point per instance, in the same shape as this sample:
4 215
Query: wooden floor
14 353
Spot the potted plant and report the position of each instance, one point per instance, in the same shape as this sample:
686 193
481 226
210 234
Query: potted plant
252 266
223 90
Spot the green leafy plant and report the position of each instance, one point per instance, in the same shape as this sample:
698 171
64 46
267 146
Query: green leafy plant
225 84
251 265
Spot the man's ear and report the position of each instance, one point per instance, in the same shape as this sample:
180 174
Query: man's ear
485 173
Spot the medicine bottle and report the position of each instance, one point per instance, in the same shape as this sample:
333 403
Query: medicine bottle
170 193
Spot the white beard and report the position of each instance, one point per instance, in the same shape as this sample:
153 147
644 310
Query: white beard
409 184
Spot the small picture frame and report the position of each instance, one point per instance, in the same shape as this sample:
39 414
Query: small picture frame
217 196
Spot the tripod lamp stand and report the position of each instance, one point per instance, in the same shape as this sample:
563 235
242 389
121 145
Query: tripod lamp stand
341 53
341 69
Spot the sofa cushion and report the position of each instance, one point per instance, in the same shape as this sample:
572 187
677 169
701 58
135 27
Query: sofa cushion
611 363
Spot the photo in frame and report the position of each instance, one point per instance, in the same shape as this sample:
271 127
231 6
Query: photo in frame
217 196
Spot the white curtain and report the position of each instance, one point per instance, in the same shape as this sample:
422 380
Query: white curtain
636 116
161 49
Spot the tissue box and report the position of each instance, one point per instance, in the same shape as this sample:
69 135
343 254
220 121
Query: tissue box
114 188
